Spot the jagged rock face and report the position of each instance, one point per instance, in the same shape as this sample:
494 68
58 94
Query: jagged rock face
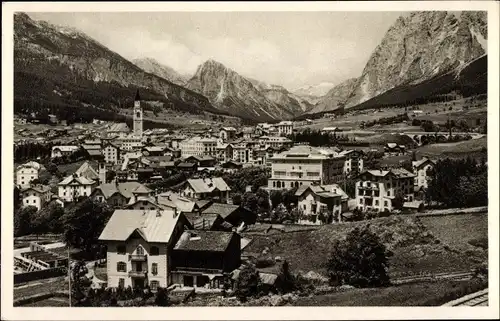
154 67
336 97
231 92
313 93
47 50
419 47
281 96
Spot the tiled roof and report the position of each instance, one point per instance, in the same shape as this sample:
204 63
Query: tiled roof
200 240
38 188
222 209
155 226
119 127
207 185
31 164
124 189
181 203
86 170
65 148
77 180
141 189
419 163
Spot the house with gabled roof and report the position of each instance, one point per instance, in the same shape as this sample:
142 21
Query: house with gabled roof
205 259
316 199
422 171
376 190
115 194
140 245
74 186
36 195
206 188
234 214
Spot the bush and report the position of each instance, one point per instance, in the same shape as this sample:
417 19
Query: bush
248 283
359 260
161 298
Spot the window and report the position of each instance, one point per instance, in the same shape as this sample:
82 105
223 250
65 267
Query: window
139 250
27 201
376 202
154 250
154 285
121 267
386 203
121 283
121 249
154 268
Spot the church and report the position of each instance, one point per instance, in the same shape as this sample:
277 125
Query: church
138 114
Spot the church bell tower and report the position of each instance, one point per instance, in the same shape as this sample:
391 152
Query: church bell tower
137 115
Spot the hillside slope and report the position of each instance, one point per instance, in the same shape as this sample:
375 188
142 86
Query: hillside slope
64 67
229 91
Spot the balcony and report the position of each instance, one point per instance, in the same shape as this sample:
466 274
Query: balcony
137 274
371 188
137 257
198 270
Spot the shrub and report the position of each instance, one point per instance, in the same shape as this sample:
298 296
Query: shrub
359 260
161 298
248 283
481 242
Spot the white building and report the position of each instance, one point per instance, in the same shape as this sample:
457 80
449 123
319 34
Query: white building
26 173
421 171
353 161
377 189
227 133
138 247
65 150
37 196
206 189
111 153
198 146
276 142
285 128
74 186
315 199
305 165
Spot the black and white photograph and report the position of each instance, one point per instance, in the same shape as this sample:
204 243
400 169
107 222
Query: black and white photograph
187 158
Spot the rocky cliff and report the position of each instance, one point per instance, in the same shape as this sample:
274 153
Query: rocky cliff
335 97
420 47
233 93
154 67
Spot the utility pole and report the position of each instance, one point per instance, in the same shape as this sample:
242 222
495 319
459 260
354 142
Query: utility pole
69 277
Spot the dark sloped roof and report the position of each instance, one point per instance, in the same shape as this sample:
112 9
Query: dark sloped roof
222 209
137 96
199 240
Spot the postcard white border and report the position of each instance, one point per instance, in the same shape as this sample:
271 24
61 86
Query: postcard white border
265 313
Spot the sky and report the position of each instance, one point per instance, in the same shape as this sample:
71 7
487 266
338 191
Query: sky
292 49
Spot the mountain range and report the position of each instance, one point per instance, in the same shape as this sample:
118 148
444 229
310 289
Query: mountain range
421 55
415 57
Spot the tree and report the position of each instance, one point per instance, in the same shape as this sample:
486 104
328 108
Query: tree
360 260
286 281
397 202
248 283
48 219
84 223
276 198
161 298
237 199
22 220
110 175
279 214
250 202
